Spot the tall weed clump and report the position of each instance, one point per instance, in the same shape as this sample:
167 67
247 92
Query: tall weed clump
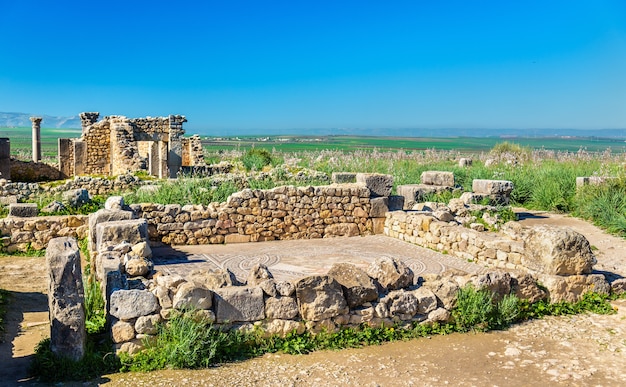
478 309
256 158
604 205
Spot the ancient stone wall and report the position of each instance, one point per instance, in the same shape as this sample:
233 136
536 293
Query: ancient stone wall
20 234
28 171
424 229
97 140
255 215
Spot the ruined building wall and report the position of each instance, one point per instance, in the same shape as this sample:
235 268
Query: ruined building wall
97 140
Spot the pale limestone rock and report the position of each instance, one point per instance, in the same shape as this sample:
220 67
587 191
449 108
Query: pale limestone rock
285 308
130 304
190 295
320 298
358 287
391 273
122 331
235 304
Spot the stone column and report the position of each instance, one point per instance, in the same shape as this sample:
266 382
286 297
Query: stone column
36 138
66 157
66 299
175 145
5 158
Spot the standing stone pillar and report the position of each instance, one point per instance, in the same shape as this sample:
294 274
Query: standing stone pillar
5 158
36 138
153 158
175 144
66 299
87 119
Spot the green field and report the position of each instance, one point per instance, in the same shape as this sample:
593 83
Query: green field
464 144
21 142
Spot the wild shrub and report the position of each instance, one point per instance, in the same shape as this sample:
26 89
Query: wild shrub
604 205
256 158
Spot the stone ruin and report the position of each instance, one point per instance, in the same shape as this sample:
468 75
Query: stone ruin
116 145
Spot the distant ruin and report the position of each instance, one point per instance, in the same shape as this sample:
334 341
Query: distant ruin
116 145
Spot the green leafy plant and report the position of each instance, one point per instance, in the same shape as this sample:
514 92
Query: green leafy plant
256 158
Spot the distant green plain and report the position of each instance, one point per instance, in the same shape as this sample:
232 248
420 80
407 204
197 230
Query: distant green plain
462 144
21 142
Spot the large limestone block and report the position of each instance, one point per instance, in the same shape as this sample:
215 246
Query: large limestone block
23 210
557 251
402 303
572 288
391 274
285 308
492 187
413 193
446 291
320 298
426 300
106 262
445 179
497 282
114 203
192 296
380 207
239 304
358 287
76 197
101 216
378 184
113 233
66 300
129 304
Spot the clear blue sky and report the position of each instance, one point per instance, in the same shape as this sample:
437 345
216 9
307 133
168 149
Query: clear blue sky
320 64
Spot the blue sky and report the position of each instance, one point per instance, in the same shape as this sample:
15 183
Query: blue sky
238 65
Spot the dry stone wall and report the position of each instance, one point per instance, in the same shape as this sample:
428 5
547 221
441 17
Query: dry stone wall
256 215
20 234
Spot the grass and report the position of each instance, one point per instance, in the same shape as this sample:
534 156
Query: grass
604 205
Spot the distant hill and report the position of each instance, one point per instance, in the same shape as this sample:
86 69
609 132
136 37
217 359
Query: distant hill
11 120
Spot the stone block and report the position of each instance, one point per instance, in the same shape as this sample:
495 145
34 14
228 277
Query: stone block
379 207
557 251
378 226
6 200
358 287
492 187
395 203
5 158
320 298
101 216
113 233
129 304
572 288
192 296
343 177
413 193
465 162
285 308
239 304
65 298
378 184
76 197
106 262
23 210
439 178
391 274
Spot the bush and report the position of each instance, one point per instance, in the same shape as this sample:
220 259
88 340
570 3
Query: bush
256 158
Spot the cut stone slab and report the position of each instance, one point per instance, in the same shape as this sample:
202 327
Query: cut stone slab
190 295
129 304
239 304
113 233
439 178
378 184
23 210
102 216
380 207
66 298
413 193
492 187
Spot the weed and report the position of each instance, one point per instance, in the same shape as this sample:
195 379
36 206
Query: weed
256 158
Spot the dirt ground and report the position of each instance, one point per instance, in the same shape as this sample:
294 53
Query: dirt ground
572 350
